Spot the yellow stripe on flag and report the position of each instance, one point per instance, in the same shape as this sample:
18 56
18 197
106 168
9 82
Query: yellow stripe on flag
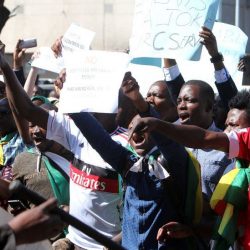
198 197
222 187
226 218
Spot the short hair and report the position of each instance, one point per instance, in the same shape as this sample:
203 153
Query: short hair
169 96
206 91
241 101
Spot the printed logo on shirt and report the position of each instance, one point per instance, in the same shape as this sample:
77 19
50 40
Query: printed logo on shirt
94 178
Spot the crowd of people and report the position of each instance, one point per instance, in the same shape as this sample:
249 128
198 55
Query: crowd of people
167 171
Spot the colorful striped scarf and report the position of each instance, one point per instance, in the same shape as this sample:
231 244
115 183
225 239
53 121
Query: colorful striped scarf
230 201
3 141
193 205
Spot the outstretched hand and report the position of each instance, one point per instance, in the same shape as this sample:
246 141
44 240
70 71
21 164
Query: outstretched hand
59 81
18 55
130 86
57 47
243 64
173 230
142 125
209 41
3 61
36 224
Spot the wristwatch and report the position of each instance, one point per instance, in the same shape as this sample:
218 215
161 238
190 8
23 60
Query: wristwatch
217 58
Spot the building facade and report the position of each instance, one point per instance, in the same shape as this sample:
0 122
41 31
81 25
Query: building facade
110 19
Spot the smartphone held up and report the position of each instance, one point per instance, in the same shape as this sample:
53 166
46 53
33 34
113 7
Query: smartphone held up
28 43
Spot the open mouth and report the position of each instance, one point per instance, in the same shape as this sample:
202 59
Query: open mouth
138 139
37 139
184 117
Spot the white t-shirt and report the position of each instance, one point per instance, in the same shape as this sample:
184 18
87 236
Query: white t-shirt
94 194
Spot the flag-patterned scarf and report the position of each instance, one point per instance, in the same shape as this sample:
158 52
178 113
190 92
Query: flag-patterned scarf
3 141
193 205
230 201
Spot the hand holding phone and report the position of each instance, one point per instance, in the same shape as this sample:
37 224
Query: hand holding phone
27 43
16 206
2 47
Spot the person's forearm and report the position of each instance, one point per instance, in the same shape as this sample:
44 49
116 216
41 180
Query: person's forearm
189 136
171 150
227 90
30 81
167 62
16 93
139 102
112 152
21 123
218 65
22 126
141 105
21 101
4 16
193 136
20 76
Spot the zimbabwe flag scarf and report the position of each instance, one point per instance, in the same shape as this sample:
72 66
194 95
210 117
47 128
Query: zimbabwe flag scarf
194 203
3 141
231 201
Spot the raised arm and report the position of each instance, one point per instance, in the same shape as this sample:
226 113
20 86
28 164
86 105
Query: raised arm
22 126
19 99
173 77
4 15
57 47
224 82
21 123
101 141
18 58
187 135
30 81
172 151
131 89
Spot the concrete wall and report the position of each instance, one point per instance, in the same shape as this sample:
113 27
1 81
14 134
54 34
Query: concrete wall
110 19
48 19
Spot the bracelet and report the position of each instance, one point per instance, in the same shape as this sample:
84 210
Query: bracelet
217 58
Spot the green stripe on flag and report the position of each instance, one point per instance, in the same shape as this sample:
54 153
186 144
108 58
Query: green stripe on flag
232 189
194 187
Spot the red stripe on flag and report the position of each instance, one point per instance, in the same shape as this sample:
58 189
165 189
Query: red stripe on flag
220 207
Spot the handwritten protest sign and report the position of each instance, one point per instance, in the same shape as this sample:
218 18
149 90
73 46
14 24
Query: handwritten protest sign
77 38
93 81
170 28
44 59
231 42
